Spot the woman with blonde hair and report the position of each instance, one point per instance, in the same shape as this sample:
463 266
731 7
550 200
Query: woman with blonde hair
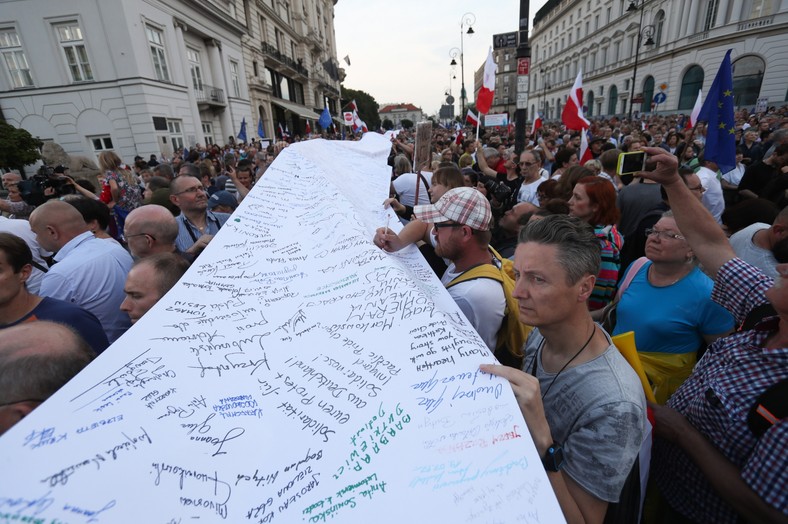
120 192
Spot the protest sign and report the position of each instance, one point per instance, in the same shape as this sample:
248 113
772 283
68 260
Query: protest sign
297 373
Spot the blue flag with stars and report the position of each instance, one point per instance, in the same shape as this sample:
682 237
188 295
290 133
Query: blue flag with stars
325 118
242 133
717 112
260 131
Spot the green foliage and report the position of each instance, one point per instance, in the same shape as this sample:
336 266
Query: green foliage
17 147
367 106
406 124
387 124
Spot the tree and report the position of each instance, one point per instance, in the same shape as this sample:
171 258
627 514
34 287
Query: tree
367 106
406 124
387 124
17 147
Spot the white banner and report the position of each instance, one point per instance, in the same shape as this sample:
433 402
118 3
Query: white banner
297 373
496 120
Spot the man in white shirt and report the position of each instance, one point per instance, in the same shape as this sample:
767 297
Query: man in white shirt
712 194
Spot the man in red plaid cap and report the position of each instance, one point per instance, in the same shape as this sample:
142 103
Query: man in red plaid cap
461 221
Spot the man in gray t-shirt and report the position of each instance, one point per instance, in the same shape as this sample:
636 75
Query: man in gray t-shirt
583 405
756 243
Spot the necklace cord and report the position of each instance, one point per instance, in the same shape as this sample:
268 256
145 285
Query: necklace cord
593 332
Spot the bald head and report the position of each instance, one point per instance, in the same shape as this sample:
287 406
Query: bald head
55 223
151 229
36 359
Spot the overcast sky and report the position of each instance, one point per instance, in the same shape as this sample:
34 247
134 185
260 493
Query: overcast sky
399 50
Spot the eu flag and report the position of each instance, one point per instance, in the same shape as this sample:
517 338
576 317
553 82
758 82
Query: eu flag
242 133
260 131
325 118
717 112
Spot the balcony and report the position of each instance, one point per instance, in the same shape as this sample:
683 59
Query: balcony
295 66
210 96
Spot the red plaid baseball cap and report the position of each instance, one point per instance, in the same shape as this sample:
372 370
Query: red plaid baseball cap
463 205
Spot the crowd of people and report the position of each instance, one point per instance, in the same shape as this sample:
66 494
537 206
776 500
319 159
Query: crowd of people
690 259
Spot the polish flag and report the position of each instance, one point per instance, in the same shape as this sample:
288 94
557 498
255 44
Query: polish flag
471 118
585 151
693 119
485 97
537 125
308 128
460 138
572 115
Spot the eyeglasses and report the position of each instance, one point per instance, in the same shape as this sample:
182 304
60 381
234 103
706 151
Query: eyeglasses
663 234
697 188
526 164
439 225
140 235
192 190
4 404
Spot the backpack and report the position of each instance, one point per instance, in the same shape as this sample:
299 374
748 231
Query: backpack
513 333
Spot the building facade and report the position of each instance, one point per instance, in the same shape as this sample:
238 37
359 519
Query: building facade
399 112
290 57
629 52
133 76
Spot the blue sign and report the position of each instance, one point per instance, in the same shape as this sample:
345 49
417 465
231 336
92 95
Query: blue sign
660 98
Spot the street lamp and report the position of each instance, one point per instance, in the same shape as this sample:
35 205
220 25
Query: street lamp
467 20
648 33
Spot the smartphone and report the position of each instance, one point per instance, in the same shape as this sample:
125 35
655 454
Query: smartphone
631 163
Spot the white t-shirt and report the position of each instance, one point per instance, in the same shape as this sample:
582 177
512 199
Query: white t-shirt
745 249
735 175
482 301
528 192
21 228
405 186
712 197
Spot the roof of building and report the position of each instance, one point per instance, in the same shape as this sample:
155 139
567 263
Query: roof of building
398 107
545 10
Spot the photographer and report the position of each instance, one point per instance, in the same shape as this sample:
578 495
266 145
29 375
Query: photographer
501 189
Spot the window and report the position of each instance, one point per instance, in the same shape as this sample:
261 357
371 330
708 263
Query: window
506 56
506 68
262 29
293 53
711 14
596 22
659 24
207 130
590 104
762 8
235 79
255 68
157 53
176 133
193 56
592 62
648 94
278 38
506 79
588 28
101 143
15 60
616 49
747 79
73 45
609 14
612 100
690 85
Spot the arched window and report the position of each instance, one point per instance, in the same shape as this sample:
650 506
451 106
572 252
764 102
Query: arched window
747 78
612 100
558 107
648 94
659 24
590 104
690 85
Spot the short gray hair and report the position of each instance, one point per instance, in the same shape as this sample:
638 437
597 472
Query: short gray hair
579 250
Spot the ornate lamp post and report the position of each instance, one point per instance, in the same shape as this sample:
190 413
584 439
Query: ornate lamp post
467 20
646 32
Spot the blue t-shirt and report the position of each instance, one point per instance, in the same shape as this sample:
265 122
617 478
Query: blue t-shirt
670 319
80 320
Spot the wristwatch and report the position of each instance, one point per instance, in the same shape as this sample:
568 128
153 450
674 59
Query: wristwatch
553 459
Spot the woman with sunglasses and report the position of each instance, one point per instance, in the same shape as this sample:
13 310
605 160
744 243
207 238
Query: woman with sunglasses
668 305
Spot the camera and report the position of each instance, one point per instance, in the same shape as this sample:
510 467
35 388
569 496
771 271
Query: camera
498 190
42 186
